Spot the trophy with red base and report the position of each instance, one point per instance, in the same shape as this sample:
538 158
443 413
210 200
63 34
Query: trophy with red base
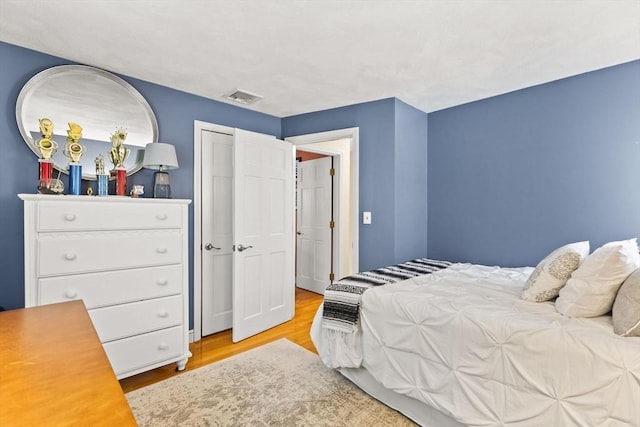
118 155
47 147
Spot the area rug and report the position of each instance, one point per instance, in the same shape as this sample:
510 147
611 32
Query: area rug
278 384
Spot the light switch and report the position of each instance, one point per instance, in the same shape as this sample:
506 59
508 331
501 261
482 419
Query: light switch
366 217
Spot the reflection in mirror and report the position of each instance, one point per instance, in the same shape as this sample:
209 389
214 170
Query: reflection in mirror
98 101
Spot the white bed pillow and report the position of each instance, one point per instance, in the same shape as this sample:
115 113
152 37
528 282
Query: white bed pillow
626 308
552 273
592 288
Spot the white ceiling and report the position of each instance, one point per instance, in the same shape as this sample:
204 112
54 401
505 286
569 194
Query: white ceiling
305 56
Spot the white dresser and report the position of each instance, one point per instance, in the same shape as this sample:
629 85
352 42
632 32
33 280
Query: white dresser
127 259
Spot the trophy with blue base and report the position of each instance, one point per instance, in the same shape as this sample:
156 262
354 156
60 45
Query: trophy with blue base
102 177
74 150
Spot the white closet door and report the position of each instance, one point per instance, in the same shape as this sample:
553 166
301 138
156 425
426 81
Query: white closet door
264 283
217 241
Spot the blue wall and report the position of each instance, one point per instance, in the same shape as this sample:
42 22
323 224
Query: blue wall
175 112
514 176
410 193
380 177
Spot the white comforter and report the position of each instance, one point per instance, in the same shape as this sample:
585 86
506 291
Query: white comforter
462 341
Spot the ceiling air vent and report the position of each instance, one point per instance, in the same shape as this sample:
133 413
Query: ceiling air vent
242 96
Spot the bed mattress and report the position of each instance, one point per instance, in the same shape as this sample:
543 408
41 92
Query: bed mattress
462 341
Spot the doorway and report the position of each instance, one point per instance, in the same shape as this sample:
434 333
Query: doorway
243 231
341 144
314 221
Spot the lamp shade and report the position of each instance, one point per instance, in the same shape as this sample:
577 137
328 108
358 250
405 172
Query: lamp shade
160 156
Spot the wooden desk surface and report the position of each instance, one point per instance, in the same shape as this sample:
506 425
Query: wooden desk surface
54 371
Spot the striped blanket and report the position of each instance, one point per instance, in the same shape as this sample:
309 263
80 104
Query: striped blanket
342 298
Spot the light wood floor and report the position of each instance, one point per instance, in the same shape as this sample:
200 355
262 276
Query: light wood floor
219 346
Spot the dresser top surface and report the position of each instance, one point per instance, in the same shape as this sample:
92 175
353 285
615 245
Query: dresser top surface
54 370
101 199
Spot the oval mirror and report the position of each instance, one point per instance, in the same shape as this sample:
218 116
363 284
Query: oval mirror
98 101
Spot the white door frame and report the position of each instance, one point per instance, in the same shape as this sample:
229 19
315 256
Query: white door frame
198 127
303 142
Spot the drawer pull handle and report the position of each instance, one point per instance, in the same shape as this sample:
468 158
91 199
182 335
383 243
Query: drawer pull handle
70 217
162 250
164 282
69 256
161 216
163 346
163 314
71 293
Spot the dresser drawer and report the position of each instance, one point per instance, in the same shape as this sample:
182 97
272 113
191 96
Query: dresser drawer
145 350
125 320
112 287
126 215
70 253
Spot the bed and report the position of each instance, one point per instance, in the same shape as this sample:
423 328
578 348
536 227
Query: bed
460 346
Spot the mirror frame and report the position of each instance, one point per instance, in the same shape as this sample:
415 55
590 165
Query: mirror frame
40 78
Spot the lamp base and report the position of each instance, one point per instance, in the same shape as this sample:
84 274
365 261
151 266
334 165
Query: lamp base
161 186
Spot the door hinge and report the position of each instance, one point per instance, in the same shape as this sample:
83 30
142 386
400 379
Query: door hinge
332 171
331 277
332 224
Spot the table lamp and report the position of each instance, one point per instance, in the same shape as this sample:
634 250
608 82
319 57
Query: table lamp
161 157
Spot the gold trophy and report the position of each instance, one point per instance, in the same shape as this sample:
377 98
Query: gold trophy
100 165
46 146
102 177
119 152
73 149
118 155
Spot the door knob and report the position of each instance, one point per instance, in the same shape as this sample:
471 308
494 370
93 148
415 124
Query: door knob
299 233
243 247
209 246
